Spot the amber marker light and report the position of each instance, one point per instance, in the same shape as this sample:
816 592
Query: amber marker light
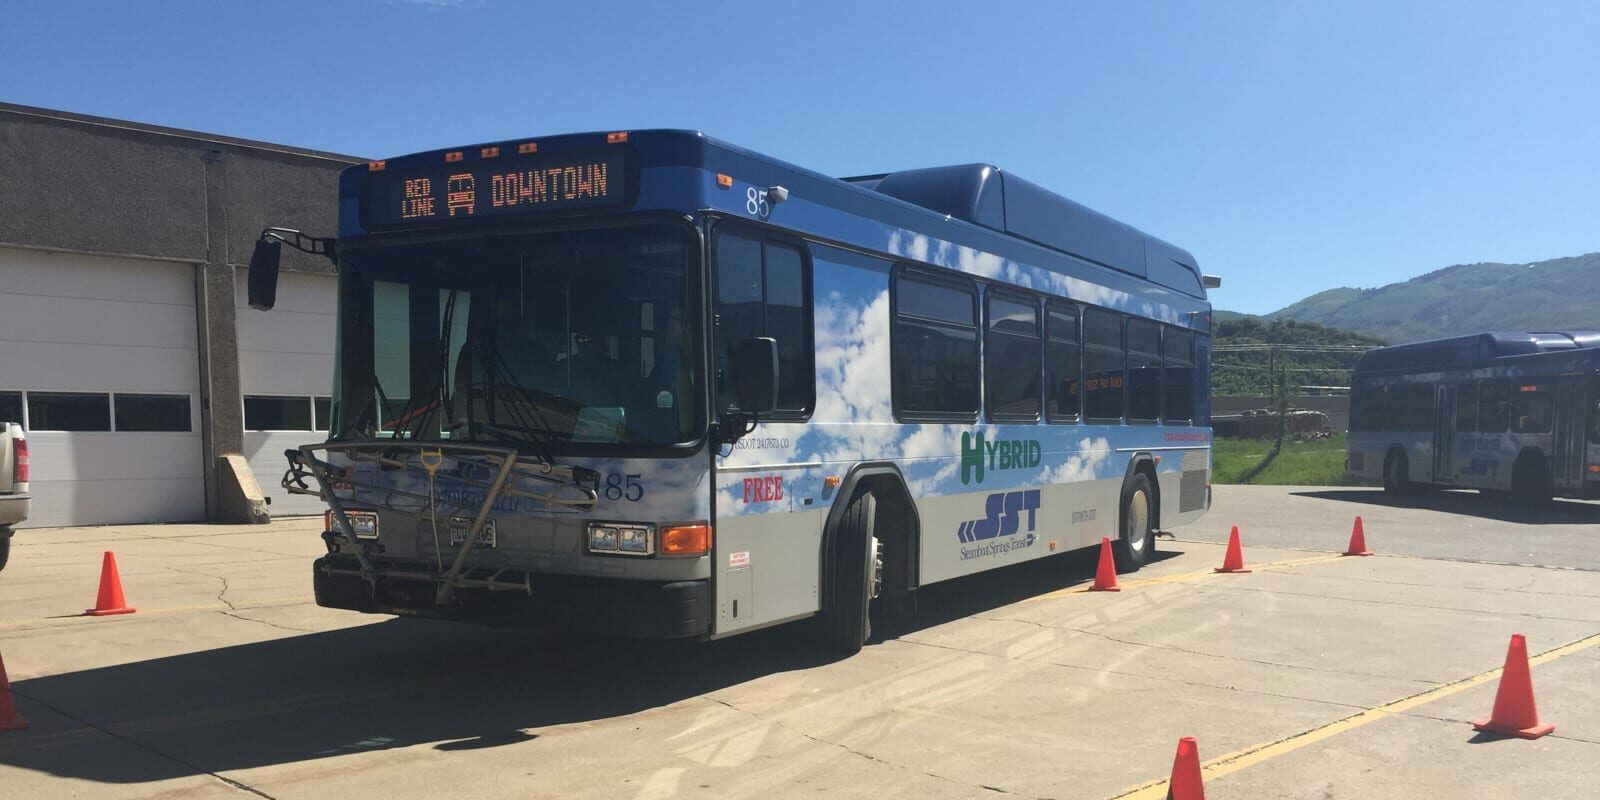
489 152
725 181
452 157
377 166
686 540
830 482
1594 469
527 147
617 138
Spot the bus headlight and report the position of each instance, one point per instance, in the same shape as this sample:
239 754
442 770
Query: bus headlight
602 539
607 538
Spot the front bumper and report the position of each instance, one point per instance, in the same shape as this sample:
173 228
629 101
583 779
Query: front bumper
635 609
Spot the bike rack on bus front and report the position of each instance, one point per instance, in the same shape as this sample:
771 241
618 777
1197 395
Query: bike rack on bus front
303 458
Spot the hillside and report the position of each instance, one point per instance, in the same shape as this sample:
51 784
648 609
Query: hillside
1562 293
1307 354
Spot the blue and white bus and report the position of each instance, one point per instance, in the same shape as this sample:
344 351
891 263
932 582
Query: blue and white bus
653 384
1498 412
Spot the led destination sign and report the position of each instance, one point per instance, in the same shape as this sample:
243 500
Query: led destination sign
454 192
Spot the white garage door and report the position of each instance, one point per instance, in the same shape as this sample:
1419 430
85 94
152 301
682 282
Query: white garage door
286 374
99 353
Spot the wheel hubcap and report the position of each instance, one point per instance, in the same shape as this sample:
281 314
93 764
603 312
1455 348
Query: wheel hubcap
1138 521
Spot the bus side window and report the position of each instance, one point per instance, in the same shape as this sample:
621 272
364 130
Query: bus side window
1144 371
762 291
1494 406
1011 357
1104 359
1177 350
1420 405
1532 408
933 361
1467 407
1061 357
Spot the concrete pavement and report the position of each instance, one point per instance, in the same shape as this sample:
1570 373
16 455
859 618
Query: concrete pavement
229 683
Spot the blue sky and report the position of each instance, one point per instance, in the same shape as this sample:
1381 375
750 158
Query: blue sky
1292 146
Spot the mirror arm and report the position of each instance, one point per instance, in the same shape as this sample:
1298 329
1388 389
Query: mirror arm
326 247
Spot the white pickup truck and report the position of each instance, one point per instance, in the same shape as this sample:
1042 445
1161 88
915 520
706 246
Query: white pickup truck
13 484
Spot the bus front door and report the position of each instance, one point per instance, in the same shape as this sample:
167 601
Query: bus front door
1444 425
1566 467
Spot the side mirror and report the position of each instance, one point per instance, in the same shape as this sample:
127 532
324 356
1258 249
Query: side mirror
263 286
755 370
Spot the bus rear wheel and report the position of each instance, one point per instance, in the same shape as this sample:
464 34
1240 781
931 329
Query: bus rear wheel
1137 536
1396 473
1530 482
846 622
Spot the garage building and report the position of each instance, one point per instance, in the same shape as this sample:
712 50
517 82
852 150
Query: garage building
150 391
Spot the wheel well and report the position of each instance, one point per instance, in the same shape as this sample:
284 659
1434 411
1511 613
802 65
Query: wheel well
896 524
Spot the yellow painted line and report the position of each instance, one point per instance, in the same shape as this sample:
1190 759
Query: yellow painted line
1256 754
1187 577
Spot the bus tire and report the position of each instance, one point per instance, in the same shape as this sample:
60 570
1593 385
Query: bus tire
846 621
1530 481
1135 523
1396 473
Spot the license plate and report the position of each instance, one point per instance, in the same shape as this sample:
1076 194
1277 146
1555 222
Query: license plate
460 525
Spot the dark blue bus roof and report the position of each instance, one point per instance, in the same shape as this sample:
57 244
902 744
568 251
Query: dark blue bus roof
978 194
1478 350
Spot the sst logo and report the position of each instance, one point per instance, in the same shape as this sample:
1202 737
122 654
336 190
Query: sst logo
1005 517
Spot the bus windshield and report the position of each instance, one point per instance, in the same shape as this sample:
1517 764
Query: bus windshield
577 337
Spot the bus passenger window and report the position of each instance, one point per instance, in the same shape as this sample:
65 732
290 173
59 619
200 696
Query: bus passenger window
1178 374
1011 358
1532 407
1061 363
1494 406
934 348
1467 407
1144 371
1103 364
761 291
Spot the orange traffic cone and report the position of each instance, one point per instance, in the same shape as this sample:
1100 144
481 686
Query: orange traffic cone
10 720
1514 711
1105 575
1233 560
1358 541
1186 783
110 600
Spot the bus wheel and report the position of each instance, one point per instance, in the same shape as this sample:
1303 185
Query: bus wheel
1396 473
845 621
1530 481
1137 538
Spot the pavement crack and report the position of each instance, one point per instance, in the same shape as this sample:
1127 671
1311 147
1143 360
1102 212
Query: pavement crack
239 616
862 754
221 594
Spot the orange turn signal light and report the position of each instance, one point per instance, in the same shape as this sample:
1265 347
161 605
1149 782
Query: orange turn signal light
617 138
452 157
377 166
1594 469
831 482
686 540
725 181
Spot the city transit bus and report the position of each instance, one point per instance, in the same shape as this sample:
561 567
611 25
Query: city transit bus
652 384
1499 412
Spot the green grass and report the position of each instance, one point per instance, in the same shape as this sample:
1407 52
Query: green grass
1314 462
